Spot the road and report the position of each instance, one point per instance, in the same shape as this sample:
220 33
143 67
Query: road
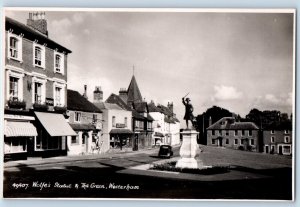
114 178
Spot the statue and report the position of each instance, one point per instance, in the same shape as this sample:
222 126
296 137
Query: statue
188 116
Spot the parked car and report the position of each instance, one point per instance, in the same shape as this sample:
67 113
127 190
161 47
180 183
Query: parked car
165 151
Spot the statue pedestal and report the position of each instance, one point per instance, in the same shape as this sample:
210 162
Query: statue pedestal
188 149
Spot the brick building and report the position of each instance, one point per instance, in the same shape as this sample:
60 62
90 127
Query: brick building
35 90
277 138
229 133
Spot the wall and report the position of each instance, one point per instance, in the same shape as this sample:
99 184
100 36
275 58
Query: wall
232 137
279 137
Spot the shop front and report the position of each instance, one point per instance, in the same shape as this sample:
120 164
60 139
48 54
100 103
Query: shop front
121 139
17 135
52 133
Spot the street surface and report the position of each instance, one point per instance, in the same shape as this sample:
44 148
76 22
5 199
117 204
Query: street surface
252 176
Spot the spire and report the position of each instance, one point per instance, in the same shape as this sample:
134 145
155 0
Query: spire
133 91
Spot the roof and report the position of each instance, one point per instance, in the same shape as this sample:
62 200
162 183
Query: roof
229 123
115 99
133 92
32 34
284 125
169 120
109 106
152 107
75 101
165 110
83 127
140 107
136 115
121 131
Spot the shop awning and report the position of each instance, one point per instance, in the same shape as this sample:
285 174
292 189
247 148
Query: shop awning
83 127
121 131
55 124
158 134
19 129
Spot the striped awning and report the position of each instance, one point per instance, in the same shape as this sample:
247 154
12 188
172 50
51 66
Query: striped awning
19 129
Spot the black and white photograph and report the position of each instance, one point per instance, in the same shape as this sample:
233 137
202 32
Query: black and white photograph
152 104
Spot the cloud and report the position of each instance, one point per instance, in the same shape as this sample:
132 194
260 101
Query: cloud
61 24
225 93
86 31
282 102
78 18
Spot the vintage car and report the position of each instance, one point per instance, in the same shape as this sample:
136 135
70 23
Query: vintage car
165 151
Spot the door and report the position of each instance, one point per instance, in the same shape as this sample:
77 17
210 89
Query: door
30 146
84 143
280 150
267 149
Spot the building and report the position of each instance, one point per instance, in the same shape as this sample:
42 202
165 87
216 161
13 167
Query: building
229 133
277 138
117 124
86 120
35 90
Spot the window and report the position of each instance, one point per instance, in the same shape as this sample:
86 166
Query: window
235 132
39 55
235 141
75 140
227 141
58 96
58 62
243 132
286 131
15 144
95 118
272 139
272 132
213 132
77 116
220 132
213 141
13 88
286 149
125 121
250 132
37 92
14 47
241 141
252 142
227 133
114 121
286 139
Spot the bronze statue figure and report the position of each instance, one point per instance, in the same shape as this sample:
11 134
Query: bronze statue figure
188 116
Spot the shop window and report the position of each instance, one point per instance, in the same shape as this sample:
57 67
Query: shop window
15 145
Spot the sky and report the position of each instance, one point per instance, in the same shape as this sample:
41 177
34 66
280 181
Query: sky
237 61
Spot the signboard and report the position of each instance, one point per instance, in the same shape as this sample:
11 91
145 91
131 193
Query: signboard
50 101
118 125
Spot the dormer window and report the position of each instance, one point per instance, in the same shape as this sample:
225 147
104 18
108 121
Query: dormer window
39 55
58 62
14 47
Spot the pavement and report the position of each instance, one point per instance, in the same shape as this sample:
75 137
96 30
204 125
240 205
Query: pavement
75 158
211 156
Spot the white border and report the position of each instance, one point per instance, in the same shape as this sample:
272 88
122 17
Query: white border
208 10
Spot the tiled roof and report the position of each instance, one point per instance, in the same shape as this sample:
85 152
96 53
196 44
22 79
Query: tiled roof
32 34
109 106
165 110
115 99
75 101
153 108
140 107
133 92
229 123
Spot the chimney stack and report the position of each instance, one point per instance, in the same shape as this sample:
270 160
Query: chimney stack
38 22
123 94
210 121
98 94
85 92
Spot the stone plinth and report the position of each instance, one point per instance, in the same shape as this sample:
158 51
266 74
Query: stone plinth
188 149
